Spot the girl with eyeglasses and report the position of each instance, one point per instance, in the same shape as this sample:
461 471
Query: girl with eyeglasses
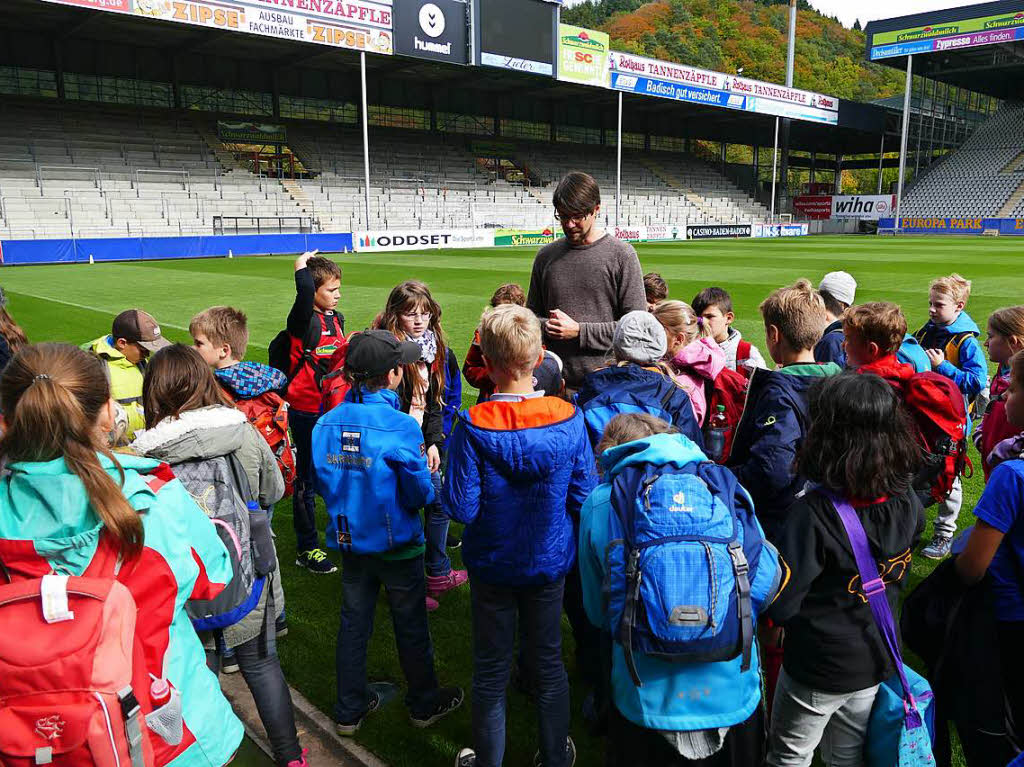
431 392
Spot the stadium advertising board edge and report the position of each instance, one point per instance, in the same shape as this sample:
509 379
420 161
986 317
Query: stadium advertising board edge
362 25
583 56
435 30
679 82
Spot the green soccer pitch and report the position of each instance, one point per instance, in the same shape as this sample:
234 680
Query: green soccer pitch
76 303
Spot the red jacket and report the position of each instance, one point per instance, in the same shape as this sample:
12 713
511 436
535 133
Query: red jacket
994 428
891 369
475 372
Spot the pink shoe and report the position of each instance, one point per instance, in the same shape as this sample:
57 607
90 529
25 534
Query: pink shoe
432 604
301 761
438 584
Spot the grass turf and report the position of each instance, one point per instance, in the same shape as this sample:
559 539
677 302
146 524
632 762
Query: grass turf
76 303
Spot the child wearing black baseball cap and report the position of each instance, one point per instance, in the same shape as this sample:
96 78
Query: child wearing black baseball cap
371 470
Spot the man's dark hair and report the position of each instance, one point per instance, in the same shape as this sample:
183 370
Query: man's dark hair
712 297
860 443
322 269
577 194
655 287
833 305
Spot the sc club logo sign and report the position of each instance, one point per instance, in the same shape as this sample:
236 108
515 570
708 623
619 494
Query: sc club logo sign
432 20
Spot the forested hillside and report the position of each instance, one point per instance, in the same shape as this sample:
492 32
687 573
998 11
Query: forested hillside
724 35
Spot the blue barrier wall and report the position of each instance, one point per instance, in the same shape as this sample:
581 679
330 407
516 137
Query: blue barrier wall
938 225
147 248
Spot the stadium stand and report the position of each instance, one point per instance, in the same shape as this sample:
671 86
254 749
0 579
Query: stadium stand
985 177
105 171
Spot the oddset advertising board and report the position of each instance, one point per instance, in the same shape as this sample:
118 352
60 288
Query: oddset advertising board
664 79
362 25
583 56
952 35
383 240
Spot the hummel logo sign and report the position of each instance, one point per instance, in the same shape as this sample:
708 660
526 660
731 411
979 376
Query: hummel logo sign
431 20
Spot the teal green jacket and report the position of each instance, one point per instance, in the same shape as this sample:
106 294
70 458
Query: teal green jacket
47 524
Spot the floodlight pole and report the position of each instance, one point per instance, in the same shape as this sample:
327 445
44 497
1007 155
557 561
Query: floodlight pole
618 166
903 136
881 160
775 163
366 139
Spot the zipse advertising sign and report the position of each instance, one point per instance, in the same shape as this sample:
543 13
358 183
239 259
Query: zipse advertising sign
583 56
649 77
363 25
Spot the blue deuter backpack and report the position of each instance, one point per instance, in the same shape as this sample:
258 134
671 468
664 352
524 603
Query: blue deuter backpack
685 549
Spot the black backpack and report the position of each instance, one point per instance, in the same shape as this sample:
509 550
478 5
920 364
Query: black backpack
279 353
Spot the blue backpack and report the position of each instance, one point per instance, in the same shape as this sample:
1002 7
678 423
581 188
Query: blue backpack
612 391
686 549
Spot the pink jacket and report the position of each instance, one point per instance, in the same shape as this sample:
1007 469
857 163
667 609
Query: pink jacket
693 366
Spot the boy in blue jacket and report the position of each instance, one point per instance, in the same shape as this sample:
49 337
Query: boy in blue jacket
776 414
519 468
369 461
950 339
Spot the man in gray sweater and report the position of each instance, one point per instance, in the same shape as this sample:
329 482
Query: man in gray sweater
583 283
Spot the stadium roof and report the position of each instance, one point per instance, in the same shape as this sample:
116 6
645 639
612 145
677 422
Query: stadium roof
46 36
977 47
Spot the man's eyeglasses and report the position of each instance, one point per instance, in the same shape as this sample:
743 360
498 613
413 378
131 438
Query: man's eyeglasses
578 218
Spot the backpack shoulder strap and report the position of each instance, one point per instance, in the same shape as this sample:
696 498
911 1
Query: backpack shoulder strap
955 344
921 333
874 588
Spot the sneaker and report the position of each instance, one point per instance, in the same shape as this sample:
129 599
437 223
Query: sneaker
938 548
466 758
448 699
380 693
316 561
228 663
301 761
281 626
570 755
438 584
453 542
432 604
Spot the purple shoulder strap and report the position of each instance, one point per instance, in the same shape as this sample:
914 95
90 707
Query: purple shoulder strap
874 588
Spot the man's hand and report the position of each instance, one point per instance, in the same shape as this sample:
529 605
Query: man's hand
935 356
433 459
562 326
300 262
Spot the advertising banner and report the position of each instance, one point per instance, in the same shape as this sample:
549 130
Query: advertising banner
251 133
432 29
362 25
780 230
583 56
517 237
654 233
912 225
953 42
868 207
384 240
948 35
636 74
816 206
717 231
517 34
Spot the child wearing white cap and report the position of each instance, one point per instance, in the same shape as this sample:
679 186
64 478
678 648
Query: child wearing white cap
838 290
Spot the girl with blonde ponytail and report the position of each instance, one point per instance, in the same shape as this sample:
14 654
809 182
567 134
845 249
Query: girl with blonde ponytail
66 496
693 356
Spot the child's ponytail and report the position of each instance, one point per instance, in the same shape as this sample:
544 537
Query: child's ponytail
52 396
678 318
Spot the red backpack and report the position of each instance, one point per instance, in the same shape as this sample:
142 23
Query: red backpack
335 386
269 414
940 417
729 389
73 679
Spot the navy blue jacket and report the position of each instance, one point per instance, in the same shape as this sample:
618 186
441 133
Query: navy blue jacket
971 374
452 393
774 421
518 474
830 347
372 474
619 389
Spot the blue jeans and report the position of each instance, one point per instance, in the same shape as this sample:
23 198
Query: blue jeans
436 533
304 496
494 636
261 669
406 588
